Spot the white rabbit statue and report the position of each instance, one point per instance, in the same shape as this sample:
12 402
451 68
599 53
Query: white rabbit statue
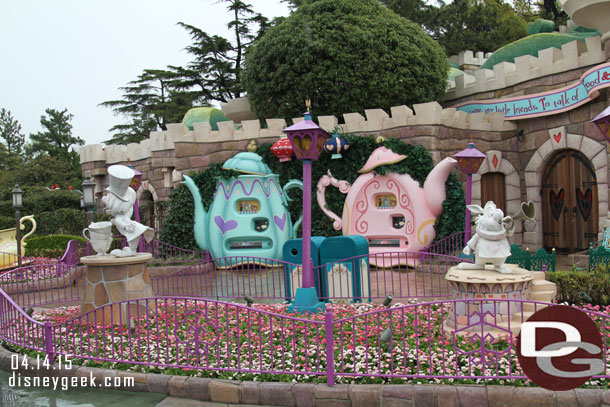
489 243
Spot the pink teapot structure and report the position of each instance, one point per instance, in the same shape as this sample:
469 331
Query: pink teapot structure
392 211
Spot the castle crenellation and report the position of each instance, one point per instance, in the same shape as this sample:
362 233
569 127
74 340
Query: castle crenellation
550 61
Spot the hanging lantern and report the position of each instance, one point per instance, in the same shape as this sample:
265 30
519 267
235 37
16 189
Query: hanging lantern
282 149
335 146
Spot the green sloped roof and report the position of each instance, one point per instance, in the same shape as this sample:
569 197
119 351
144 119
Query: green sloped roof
532 44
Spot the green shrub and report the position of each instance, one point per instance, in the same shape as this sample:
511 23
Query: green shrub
61 221
346 56
178 226
531 45
570 284
52 246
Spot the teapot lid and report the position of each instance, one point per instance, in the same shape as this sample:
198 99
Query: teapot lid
381 156
247 163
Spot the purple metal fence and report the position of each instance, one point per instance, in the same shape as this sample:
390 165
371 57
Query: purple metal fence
361 278
74 251
43 284
228 278
168 255
451 245
7 260
164 254
415 341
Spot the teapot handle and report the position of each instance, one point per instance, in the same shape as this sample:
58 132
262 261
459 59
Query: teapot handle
293 183
344 188
29 218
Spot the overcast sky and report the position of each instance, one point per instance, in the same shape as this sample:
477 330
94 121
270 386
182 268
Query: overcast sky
75 54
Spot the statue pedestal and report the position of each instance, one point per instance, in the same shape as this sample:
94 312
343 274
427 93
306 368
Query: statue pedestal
490 288
112 279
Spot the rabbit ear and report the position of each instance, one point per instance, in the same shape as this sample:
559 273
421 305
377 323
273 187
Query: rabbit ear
475 209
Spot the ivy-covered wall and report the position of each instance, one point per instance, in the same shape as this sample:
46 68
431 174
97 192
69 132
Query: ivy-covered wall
178 227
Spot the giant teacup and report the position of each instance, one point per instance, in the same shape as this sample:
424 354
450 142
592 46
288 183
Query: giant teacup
100 236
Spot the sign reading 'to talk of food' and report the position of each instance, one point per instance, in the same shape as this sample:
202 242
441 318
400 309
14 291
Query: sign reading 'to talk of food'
547 103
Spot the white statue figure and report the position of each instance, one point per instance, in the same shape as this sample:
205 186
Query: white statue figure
489 243
119 204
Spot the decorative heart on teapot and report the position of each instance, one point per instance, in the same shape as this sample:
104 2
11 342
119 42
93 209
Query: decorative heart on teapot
223 225
556 202
280 222
585 202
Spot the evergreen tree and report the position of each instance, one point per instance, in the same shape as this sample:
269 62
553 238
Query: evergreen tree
10 132
150 103
56 139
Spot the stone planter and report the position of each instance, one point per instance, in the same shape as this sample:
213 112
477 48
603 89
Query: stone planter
491 290
114 279
238 110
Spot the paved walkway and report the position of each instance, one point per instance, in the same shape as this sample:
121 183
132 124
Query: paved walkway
179 402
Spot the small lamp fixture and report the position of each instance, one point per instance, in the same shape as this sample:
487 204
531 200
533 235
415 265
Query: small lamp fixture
135 182
17 197
387 301
602 121
88 193
306 137
335 146
470 159
282 149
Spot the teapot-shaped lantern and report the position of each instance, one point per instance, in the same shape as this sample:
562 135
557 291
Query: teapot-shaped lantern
392 211
249 215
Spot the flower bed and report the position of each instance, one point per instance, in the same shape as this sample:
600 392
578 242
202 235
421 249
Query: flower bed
267 343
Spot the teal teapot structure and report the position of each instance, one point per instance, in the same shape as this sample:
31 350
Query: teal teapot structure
249 215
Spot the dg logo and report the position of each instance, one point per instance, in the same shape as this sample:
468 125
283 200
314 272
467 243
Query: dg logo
560 348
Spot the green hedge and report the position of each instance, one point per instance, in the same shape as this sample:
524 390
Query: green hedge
570 284
52 246
178 226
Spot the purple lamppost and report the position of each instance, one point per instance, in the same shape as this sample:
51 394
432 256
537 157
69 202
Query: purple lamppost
469 160
307 139
135 185
17 205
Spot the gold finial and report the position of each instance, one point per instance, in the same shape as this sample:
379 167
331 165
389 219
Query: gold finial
252 146
308 104
380 139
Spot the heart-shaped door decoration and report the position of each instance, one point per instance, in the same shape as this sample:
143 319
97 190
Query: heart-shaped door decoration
585 202
556 203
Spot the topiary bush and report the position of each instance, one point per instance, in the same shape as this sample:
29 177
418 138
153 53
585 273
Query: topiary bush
346 56
531 45
178 227
52 246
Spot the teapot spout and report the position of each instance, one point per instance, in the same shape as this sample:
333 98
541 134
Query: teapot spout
201 215
434 187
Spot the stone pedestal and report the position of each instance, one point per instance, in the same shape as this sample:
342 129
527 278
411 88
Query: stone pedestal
113 279
500 317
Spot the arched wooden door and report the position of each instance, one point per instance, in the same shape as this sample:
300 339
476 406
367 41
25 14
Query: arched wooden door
569 202
493 188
